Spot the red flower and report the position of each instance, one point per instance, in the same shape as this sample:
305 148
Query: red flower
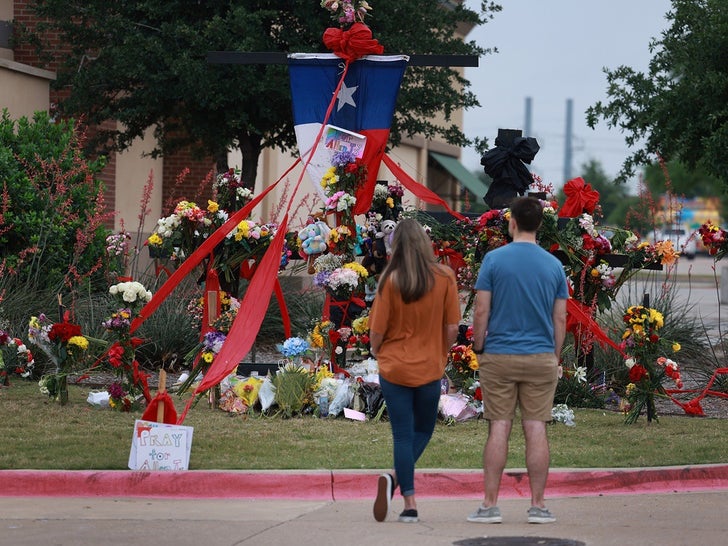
63 331
654 338
478 394
637 373
116 355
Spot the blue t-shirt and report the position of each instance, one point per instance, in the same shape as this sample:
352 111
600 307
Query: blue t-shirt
524 281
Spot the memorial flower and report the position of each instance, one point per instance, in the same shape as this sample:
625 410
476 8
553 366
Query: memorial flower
121 355
64 345
21 363
646 364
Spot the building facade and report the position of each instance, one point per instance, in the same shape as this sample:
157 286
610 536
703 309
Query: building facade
24 89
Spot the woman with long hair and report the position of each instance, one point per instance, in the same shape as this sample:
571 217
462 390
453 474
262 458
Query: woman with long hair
412 325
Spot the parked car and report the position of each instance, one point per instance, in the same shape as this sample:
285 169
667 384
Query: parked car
681 239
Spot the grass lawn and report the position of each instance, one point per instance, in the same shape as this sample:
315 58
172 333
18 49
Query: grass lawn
39 434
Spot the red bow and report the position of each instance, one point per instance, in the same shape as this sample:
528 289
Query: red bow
353 43
580 198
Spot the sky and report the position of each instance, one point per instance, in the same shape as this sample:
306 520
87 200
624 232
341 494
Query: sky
551 51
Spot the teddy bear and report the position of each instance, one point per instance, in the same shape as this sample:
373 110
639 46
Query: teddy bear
386 232
313 239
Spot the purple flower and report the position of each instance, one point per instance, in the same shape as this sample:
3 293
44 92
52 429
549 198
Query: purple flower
116 392
343 158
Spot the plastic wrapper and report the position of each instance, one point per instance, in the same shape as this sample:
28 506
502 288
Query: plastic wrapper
342 397
266 394
457 406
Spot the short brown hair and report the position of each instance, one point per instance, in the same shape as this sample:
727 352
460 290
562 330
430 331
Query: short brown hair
528 213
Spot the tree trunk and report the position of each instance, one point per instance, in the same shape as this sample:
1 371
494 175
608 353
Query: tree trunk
250 148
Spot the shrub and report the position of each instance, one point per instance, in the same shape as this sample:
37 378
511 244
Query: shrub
52 210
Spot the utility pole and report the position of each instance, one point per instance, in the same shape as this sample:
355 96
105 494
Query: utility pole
568 144
527 121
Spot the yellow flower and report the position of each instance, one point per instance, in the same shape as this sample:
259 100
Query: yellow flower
360 269
630 388
207 356
155 240
329 178
212 206
243 230
316 340
638 329
676 347
390 202
360 325
656 318
79 341
626 333
595 272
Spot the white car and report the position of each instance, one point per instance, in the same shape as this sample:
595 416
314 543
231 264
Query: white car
682 240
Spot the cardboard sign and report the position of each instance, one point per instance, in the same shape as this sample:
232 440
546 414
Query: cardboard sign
157 446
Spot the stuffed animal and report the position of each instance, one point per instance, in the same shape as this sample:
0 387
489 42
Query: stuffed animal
313 239
386 233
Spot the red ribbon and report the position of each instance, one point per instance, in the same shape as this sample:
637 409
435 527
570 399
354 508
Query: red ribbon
579 316
451 258
580 198
353 43
420 191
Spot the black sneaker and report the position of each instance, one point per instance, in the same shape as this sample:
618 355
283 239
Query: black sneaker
385 490
409 516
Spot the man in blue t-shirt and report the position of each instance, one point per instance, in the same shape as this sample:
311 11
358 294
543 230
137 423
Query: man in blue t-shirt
519 325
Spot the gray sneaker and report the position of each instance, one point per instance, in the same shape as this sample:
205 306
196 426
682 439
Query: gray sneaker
540 515
486 515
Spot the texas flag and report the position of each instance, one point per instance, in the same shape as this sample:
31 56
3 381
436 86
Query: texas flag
365 105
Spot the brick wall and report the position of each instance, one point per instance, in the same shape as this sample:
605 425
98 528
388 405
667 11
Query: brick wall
192 187
195 186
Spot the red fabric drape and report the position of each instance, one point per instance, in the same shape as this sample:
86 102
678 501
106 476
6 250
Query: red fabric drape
247 322
579 316
420 191
197 256
170 414
353 43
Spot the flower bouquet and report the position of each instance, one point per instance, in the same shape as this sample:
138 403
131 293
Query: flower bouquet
23 360
248 241
203 355
387 201
230 191
131 296
647 367
347 12
346 280
462 363
66 347
293 387
715 239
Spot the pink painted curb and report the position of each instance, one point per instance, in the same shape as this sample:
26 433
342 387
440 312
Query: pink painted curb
346 484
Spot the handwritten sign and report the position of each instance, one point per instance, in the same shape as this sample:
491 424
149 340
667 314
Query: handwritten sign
333 139
158 446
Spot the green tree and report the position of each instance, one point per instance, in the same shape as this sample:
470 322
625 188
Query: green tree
679 108
144 64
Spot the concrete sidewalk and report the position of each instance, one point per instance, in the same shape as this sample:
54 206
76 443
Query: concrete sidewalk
667 506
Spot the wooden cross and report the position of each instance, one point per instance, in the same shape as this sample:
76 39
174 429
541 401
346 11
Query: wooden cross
276 57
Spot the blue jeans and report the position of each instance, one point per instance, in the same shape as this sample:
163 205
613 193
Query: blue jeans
412 414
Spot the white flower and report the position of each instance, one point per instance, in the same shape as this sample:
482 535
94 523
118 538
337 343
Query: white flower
580 374
630 362
561 413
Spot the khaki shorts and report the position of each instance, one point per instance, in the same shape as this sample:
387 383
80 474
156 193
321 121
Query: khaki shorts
528 381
